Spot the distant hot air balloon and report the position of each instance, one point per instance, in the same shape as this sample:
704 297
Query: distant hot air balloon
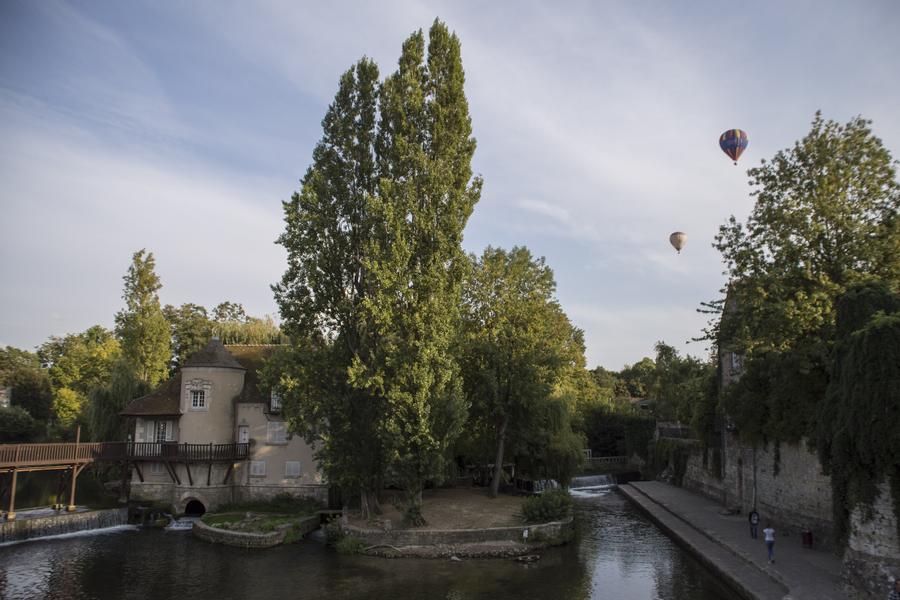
677 240
733 143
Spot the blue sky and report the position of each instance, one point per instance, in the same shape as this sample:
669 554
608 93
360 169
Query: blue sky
180 127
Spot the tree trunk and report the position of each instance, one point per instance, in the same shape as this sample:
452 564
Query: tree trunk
498 460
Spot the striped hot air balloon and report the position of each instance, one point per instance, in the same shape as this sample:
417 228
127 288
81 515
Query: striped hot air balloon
733 143
678 239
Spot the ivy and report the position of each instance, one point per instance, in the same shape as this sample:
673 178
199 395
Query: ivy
860 416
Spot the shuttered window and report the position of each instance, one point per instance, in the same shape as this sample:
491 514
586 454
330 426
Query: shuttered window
257 468
292 468
276 433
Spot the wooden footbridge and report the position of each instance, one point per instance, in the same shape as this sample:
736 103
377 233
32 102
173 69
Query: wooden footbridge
72 457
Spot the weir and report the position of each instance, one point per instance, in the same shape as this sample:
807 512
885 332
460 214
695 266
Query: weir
592 482
25 529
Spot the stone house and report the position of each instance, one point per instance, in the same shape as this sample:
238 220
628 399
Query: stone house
219 434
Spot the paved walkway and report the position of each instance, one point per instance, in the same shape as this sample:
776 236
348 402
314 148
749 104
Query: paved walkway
724 543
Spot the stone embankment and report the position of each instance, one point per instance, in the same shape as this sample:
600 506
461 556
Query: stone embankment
244 539
722 543
490 542
60 523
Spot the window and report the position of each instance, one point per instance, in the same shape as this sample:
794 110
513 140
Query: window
198 399
276 433
243 434
156 468
292 468
275 401
163 431
737 362
257 468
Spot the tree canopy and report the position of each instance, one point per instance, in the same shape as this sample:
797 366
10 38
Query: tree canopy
141 326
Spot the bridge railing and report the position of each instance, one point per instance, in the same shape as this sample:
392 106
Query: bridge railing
22 455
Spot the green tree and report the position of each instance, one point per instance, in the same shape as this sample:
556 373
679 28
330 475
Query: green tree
638 378
679 384
190 329
141 326
229 312
825 216
518 346
415 263
78 363
252 330
320 297
16 425
107 401
21 371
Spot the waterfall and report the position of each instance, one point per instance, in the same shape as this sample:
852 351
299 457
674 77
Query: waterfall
182 524
61 523
592 482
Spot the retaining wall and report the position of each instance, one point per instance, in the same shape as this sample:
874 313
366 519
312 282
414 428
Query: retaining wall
23 529
245 539
556 530
794 495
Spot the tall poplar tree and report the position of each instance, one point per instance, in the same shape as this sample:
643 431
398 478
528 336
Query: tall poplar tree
321 295
415 262
141 326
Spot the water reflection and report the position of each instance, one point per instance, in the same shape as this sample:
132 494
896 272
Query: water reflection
619 555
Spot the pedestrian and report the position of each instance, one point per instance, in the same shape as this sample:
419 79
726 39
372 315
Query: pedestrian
895 590
754 524
769 534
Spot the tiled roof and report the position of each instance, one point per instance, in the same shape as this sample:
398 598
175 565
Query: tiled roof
213 354
163 401
166 399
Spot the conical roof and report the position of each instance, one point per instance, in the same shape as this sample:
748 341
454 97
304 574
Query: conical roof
213 354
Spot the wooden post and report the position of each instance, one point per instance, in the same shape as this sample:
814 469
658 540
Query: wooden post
71 507
11 515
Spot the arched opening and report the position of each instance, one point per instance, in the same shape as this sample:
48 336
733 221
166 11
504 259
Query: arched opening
194 508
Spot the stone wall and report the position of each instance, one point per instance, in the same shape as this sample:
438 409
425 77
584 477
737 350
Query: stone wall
797 497
873 549
241 539
433 537
215 496
244 539
267 492
23 529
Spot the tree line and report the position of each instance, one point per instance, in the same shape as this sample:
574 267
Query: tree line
87 378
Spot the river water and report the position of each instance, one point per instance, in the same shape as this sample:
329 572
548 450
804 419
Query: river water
618 555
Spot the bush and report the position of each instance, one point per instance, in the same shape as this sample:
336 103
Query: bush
551 505
16 425
349 545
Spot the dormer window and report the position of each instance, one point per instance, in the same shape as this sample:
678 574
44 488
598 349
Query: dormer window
198 399
275 401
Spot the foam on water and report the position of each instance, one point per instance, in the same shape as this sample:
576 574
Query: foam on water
75 534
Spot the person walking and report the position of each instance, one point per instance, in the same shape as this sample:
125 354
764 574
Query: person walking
754 524
895 590
769 534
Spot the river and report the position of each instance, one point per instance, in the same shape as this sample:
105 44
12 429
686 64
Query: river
619 555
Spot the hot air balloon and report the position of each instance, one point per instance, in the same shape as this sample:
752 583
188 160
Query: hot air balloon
733 143
677 240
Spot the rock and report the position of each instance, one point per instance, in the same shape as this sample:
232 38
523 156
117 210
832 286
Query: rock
528 558
455 558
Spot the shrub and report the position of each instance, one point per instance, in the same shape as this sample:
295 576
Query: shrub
551 505
349 545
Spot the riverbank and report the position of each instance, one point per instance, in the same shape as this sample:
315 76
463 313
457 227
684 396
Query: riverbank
723 544
461 522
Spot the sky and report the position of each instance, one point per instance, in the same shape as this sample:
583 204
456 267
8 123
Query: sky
180 127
